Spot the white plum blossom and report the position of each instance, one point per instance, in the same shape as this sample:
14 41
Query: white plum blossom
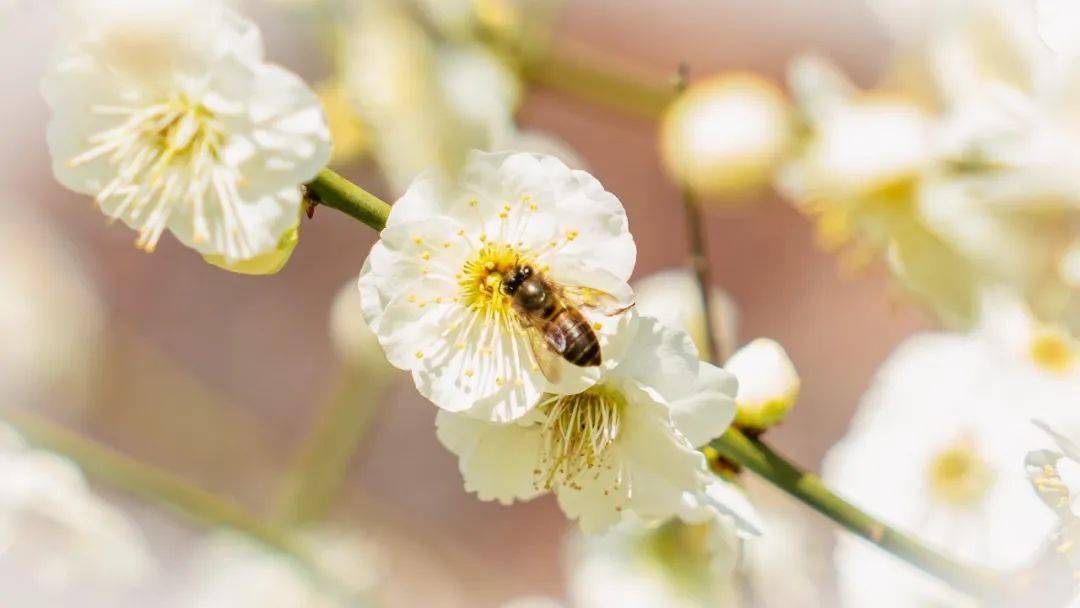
431 287
53 526
937 449
166 112
625 446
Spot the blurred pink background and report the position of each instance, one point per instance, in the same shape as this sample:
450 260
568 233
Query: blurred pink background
260 347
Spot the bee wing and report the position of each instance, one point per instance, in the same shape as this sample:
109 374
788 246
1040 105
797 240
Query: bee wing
595 299
546 349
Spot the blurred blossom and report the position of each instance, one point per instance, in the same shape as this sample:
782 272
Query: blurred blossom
937 449
50 316
533 601
432 286
427 100
725 134
167 114
768 384
53 527
626 444
674 565
1055 476
673 298
234 571
351 136
353 340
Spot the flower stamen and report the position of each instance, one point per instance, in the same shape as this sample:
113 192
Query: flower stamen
579 433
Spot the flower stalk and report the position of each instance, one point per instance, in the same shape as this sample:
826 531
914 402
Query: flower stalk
751 453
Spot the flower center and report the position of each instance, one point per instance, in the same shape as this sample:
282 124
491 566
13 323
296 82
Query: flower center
579 432
958 475
165 155
482 277
1052 351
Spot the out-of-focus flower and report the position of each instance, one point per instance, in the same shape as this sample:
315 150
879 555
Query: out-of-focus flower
859 172
937 449
674 565
1055 476
55 527
626 444
50 316
534 601
724 135
768 384
167 114
673 298
233 571
427 101
351 136
432 286
355 343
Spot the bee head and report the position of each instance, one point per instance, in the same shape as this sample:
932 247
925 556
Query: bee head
517 276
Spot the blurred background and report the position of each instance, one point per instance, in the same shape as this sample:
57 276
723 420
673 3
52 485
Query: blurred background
218 376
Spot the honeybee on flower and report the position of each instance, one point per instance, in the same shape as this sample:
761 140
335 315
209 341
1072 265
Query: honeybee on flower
469 273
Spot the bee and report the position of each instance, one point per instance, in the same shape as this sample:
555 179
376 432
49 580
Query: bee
551 316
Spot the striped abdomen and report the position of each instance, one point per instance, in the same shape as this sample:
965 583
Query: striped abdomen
567 327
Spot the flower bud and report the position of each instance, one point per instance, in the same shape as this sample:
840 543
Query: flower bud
353 340
267 263
724 135
768 384
673 298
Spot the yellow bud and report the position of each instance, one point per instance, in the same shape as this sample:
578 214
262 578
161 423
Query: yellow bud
724 135
267 263
768 384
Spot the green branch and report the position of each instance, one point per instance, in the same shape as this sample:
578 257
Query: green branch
333 190
812 491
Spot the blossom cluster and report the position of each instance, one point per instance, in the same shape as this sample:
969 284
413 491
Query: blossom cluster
612 437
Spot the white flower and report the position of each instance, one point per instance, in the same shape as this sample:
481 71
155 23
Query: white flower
428 100
233 571
768 383
625 444
167 114
50 317
725 134
431 287
937 449
673 298
54 527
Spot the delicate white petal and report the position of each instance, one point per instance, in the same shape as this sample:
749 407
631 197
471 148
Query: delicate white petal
496 461
709 408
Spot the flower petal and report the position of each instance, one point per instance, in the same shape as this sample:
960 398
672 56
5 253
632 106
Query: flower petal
497 461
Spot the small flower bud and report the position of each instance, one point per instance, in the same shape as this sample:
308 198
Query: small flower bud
724 135
768 384
267 263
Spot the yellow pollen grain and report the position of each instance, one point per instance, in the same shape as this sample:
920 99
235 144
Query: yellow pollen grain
411 299
598 326
532 207
499 381
573 234
419 354
469 373
447 245
1052 351
425 256
418 240
438 300
473 202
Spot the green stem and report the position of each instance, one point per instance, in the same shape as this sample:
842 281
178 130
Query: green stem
616 88
319 472
150 483
333 190
812 491
757 457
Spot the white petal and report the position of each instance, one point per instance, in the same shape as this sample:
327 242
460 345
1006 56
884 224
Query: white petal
707 411
660 358
496 460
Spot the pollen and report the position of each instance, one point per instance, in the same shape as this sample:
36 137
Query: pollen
571 235
167 156
1053 351
579 433
481 279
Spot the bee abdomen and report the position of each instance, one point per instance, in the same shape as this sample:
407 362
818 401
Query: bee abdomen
582 346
